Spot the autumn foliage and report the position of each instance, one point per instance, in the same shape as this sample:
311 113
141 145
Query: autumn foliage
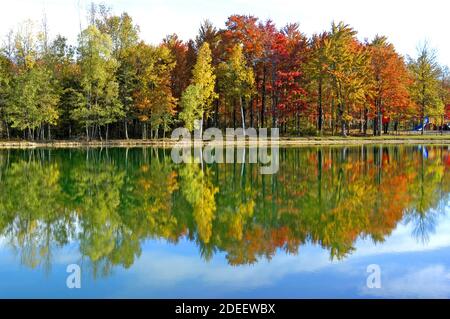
330 197
255 74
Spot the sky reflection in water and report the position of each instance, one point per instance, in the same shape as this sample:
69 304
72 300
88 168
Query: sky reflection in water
141 226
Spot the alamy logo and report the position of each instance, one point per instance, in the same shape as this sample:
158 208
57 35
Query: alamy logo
374 279
211 146
74 279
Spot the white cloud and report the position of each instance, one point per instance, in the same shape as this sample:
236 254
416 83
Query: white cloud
401 240
430 282
166 269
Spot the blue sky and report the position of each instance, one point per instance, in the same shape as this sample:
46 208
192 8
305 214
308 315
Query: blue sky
406 23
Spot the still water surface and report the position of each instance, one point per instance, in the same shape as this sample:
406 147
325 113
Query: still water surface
141 226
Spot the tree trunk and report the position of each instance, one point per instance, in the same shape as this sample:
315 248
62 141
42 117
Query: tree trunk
361 121
274 109
126 128
201 128
216 113
423 109
422 117
274 96
320 109
379 117
423 124
375 126
234 114
343 129
341 119
144 131
251 112
263 97
366 120
242 114
333 117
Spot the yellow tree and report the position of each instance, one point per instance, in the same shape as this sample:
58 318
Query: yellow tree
198 98
236 81
426 85
199 192
349 70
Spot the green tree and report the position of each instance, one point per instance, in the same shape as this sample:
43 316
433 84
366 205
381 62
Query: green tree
197 100
33 90
100 104
60 59
33 101
125 36
34 221
426 86
5 86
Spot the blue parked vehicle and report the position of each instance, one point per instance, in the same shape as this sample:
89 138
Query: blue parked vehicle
425 123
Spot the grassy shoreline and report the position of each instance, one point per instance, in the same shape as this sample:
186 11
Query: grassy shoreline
283 141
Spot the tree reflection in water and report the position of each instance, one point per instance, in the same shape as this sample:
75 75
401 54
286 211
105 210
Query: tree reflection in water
109 201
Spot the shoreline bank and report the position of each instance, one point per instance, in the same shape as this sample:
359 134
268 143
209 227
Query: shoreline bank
283 142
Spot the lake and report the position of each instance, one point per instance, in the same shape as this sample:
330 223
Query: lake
138 225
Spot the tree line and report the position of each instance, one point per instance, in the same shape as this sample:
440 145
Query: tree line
248 74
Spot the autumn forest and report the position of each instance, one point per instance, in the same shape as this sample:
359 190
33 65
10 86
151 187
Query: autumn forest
251 73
